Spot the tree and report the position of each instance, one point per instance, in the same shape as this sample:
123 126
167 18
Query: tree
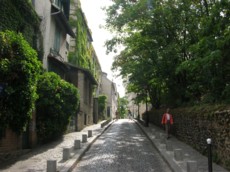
122 107
175 51
140 59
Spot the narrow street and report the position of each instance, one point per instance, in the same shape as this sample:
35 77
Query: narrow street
123 147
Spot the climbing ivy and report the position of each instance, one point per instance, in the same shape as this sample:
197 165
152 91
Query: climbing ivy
81 55
19 16
19 70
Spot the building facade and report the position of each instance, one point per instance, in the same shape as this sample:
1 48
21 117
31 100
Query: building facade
55 30
57 41
109 89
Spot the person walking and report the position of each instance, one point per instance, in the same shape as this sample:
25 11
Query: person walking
167 121
129 114
117 115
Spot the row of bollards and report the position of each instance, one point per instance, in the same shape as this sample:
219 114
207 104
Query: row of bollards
52 164
179 156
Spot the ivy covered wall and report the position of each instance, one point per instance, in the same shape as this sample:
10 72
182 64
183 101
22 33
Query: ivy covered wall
82 56
16 15
193 125
19 71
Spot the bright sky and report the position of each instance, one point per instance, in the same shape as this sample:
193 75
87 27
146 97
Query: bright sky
96 17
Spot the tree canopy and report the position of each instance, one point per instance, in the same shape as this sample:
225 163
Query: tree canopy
175 50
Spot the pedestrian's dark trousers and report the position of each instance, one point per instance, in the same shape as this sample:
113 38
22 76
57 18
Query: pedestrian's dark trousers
167 127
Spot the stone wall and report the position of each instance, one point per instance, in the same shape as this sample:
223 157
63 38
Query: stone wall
194 125
10 141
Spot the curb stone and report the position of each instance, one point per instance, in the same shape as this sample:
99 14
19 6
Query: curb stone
71 163
173 166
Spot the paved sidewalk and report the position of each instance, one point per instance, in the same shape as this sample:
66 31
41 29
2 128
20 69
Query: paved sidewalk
36 160
157 137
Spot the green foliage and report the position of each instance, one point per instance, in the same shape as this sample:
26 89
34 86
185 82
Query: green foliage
19 70
82 54
122 108
176 52
19 16
58 101
102 99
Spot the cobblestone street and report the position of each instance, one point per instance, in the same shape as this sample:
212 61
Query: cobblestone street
36 160
123 147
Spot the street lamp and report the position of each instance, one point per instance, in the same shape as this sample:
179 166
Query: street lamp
209 142
146 101
138 106
147 114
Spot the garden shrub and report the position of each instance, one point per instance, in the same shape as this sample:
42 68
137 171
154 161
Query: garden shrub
58 101
19 71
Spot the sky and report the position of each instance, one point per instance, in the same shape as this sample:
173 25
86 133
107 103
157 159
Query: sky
96 17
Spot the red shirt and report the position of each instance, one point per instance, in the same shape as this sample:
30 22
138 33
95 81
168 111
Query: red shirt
164 119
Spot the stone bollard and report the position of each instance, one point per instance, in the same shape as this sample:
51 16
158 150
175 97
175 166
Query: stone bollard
77 144
66 153
51 166
84 138
103 124
90 133
169 146
178 155
192 166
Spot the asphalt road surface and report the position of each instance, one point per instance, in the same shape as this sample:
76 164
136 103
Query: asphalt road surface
122 148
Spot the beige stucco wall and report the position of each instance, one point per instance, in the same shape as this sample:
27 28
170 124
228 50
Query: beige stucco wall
133 107
48 27
108 88
43 9
86 107
114 100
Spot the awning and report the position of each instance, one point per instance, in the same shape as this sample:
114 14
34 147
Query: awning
65 66
58 63
85 71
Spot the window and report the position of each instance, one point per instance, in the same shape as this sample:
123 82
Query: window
67 45
85 90
90 94
57 39
57 3
108 111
